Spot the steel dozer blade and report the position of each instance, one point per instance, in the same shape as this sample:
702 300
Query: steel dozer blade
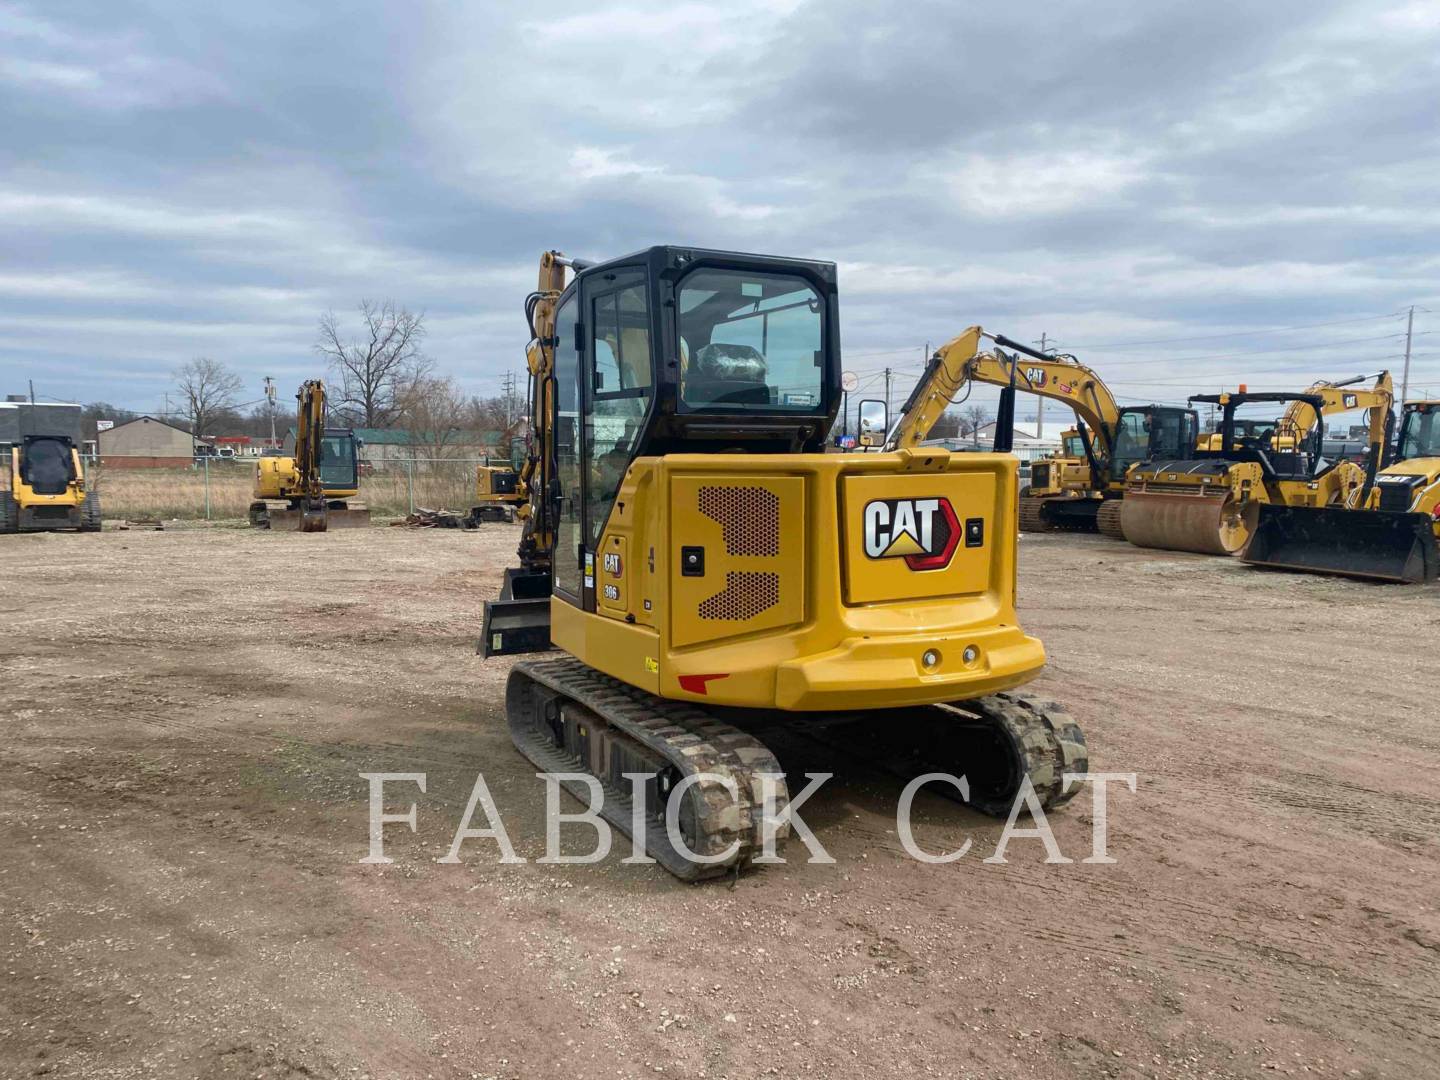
1370 544
1211 524
348 517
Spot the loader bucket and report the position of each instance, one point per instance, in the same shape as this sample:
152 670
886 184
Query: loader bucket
1371 544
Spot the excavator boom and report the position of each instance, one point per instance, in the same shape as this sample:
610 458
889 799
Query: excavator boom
1112 437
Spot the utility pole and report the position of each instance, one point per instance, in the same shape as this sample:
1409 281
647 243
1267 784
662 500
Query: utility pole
270 398
887 395
1405 378
508 384
1039 399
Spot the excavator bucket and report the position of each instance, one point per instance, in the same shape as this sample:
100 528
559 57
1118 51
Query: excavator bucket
1372 544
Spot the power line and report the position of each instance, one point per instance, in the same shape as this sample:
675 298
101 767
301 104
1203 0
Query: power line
1235 333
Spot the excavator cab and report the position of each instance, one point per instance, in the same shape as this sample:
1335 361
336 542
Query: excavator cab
339 460
664 351
1150 433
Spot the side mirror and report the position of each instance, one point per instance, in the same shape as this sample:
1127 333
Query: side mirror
874 422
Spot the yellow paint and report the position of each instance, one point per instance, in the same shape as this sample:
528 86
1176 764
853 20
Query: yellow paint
843 631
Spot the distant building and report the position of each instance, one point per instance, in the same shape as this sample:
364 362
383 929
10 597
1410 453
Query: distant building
380 445
1027 445
243 446
146 443
19 418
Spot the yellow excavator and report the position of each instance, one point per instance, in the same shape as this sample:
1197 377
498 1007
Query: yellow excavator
498 495
1111 438
313 491
1386 532
1209 501
708 571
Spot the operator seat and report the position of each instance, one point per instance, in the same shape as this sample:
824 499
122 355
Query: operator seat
723 374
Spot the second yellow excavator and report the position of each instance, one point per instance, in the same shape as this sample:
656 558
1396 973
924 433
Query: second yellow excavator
1209 500
313 490
1077 494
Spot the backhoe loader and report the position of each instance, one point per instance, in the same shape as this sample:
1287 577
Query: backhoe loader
1112 438
709 571
1209 500
43 486
313 490
1386 532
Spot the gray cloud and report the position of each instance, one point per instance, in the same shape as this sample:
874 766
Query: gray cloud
181 179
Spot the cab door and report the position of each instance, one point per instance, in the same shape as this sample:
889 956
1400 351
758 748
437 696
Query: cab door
616 384
566 486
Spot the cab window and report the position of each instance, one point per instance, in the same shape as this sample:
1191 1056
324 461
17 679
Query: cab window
620 390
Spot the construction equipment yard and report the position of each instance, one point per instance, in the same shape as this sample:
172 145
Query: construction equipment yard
187 714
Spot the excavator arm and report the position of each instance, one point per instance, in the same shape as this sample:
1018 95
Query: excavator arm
538 473
1300 416
309 440
958 361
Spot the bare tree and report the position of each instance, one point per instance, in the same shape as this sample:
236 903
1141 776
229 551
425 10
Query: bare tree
947 426
972 419
379 366
209 389
437 416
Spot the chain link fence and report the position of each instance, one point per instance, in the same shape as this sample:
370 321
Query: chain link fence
220 489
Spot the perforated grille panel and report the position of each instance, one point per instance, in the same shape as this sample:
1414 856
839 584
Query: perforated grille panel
746 594
749 518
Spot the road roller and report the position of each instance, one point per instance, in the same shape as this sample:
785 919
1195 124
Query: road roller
1211 501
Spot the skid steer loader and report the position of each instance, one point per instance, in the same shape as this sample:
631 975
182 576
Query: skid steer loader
43 481
706 569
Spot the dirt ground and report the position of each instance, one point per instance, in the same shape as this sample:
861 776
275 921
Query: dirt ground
185 715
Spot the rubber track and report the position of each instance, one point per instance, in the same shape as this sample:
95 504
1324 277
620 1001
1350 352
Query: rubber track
1048 740
680 733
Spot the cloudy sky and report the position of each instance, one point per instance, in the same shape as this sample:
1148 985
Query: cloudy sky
1187 195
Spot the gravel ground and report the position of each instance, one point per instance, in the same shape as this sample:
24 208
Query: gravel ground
186 713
